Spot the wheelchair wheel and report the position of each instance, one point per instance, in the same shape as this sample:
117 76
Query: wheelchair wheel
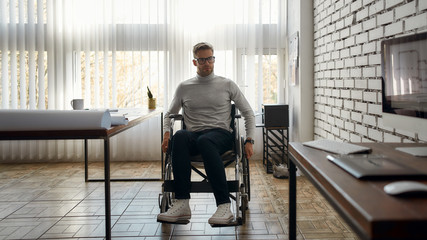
246 178
165 201
245 172
243 203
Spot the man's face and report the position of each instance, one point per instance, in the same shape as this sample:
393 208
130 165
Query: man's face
206 68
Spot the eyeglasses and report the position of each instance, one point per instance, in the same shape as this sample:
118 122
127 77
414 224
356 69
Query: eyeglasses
210 59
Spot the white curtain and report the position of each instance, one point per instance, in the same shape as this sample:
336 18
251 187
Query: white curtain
108 51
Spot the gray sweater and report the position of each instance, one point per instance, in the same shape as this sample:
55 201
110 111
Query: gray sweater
206 104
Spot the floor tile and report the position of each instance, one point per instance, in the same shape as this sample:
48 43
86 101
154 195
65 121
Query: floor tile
91 207
7 208
38 209
25 228
78 227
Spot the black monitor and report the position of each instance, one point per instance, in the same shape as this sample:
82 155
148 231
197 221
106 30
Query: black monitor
404 83
404 76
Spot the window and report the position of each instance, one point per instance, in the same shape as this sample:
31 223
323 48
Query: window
261 72
134 71
109 51
27 83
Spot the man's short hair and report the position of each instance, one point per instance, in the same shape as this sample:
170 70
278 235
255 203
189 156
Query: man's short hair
201 46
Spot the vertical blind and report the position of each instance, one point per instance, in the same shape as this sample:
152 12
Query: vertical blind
109 51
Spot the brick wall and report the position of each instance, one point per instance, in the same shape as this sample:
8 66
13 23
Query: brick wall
347 65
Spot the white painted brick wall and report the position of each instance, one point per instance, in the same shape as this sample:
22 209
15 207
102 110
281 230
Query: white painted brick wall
374 59
416 21
375 135
356 29
369 72
376 7
361 60
422 5
355 116
362 38
361 83
349 104
361 130
385 18
349 62
370 120
356 94
393 29
375 109
393 3
370 97
376 33
361 106
345 135
369 48
347 48
362 14
374 84
405 10
369 24
391 138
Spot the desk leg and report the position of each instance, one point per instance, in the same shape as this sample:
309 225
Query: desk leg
292 201
107 188
86 162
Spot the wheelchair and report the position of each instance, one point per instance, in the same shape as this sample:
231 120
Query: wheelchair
239 187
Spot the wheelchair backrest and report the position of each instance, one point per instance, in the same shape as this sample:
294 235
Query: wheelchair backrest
232 122
233 125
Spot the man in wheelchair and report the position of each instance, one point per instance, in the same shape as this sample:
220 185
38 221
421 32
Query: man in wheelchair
206 103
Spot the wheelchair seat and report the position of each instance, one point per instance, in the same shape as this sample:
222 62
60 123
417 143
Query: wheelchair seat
226 157
239 188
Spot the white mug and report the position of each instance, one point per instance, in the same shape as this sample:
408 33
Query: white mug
77 104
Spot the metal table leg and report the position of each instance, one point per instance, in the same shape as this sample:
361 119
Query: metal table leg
86 161
125 179
292 201
107 188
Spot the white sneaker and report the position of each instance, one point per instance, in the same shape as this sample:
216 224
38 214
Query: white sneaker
180 211
222 216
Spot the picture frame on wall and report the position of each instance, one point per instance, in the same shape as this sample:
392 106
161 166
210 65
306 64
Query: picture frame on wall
293 59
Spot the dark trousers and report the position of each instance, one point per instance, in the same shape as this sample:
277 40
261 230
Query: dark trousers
210 144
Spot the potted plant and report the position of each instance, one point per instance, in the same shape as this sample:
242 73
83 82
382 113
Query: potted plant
151 99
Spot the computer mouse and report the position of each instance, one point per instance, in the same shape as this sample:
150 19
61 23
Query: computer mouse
405 187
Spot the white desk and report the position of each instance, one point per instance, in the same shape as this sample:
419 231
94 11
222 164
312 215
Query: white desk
135 118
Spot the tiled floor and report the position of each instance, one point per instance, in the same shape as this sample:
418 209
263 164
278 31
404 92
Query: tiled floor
52 201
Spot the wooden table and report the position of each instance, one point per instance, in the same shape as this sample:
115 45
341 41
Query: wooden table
364 205
135 118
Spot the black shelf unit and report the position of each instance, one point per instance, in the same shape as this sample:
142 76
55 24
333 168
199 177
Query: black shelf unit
275 123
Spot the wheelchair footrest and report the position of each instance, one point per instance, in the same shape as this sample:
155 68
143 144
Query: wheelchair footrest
183 222
201 187
236 222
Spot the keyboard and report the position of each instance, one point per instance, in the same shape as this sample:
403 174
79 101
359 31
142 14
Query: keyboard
336 147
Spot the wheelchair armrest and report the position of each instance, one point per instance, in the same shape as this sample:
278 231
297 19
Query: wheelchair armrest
176 116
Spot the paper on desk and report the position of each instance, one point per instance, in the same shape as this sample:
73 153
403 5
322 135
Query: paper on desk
27 120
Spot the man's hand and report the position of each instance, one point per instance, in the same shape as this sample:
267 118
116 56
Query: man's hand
165 142
249 150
